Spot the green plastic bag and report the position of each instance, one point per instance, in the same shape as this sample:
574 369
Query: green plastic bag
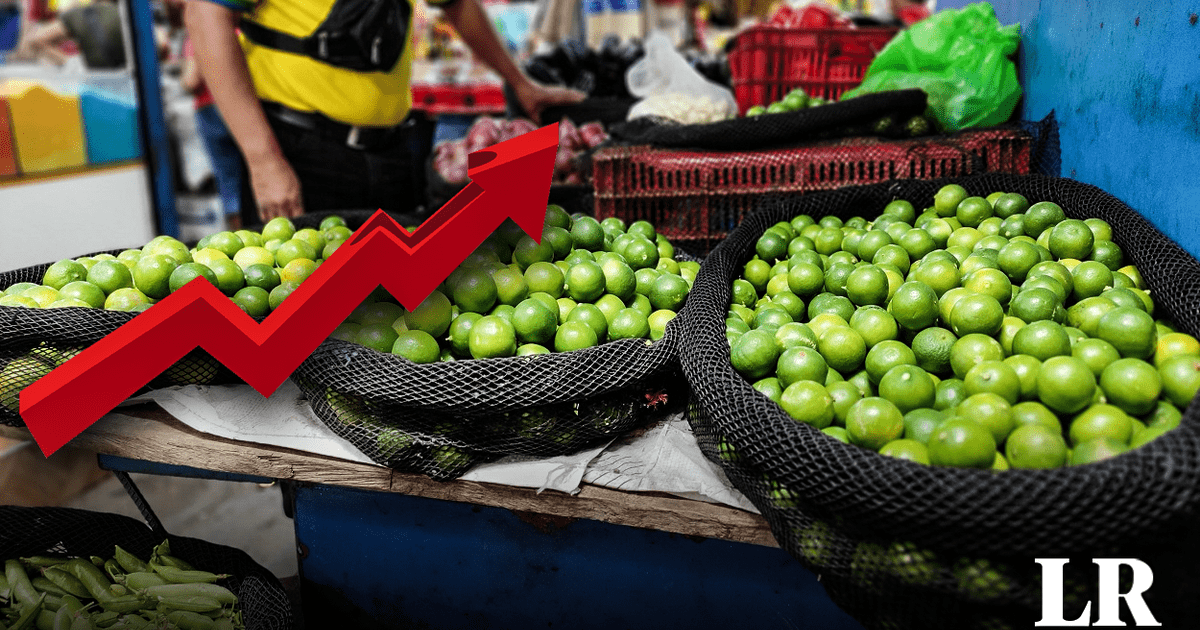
960 58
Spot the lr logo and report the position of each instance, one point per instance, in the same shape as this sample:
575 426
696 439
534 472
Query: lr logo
1109 587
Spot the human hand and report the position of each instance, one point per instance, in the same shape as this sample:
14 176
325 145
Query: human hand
276 189
535 98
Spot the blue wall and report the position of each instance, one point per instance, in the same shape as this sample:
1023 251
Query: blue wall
1123 79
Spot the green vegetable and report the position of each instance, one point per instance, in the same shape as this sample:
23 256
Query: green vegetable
219 593
129 562
62 619
142 580
91 577
18 581
45 620
82 622
190 620
180 576
43 561
105 619
65 581
46 586
190 603
114 571
28 618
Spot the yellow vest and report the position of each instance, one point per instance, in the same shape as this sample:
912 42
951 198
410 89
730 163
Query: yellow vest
307 85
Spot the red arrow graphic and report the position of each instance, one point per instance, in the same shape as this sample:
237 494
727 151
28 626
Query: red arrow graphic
508 179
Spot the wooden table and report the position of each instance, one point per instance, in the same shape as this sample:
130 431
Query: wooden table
476 554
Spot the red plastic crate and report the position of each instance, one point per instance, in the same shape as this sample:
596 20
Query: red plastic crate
700 196
464 98
768 61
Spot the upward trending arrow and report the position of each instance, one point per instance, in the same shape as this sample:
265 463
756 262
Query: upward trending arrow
508 179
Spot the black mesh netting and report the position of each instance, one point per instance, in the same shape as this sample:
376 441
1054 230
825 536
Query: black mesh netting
857 116
901 545
69 532
35 341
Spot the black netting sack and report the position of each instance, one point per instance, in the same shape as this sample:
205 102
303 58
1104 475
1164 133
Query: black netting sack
440 419
50 531
857 116
35 341
902 545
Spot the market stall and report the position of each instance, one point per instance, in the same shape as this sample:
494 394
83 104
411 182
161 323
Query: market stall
847 322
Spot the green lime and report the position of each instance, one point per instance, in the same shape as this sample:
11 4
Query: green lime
1065 384
492 336
800 364
630 323
255 301
873 422
962 443
808 402
1131 384
1096 450
417 346
908 387
1035 446
574 336
1101 421
919 424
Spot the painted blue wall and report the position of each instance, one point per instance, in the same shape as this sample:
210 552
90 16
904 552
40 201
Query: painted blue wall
1123 79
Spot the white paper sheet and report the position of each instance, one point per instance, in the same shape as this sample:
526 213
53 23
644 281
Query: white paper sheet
665 458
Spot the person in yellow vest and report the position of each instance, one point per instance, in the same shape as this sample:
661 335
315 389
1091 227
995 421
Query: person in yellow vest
316 93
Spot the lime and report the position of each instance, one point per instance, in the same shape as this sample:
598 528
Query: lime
379 337
1090 278
230 278
433 315
873 422
1041 216
669 292
932 347
755 354
187 272
87 293
249 256
1096 450
843 348
511 287
417 346
1086 313
800 364
152 275
908 387
1065 384
493 336
1180 375
885 356
253 300
1131 384
1101 421
574 336
19 300
973 349
808 402
475 291
947 198
280 228
1129 330
976 313
460 334
632 324
110 275
591 315
534 322
962 443
994 377
1035 446
293 249
127 300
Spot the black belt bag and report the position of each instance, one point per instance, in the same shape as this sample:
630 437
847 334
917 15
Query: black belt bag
360 35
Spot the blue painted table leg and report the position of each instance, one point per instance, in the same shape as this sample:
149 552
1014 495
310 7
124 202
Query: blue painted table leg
379 560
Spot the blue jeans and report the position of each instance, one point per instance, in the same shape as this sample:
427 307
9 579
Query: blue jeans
228 167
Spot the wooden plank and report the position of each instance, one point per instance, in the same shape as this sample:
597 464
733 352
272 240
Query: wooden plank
149 433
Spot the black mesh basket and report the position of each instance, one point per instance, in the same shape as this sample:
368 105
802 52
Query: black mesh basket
35 341
902 545
853 117
26 531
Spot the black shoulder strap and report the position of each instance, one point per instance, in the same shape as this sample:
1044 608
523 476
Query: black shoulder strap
272 38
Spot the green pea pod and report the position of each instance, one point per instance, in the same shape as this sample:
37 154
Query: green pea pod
224 623
98 561
129 562
62 618
3 588
118 590
28 618
43 561
219 593
172 561
181 576
82 622
190 603
142 580
65 581
122 604
105 619
189 620
114 571
92 578
45 620
18 581
73 604
46 586
53 602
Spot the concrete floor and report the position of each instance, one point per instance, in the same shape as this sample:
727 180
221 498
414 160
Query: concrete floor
242 515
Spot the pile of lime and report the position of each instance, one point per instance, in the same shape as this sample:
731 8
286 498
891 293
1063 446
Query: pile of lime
793 101
257 270
588 282
979 333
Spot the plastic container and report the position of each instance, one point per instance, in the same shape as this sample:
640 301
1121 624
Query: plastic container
695 198
466 98
47 127
110 126
768 61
